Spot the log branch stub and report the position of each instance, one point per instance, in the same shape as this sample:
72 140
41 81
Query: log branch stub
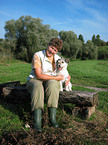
9 84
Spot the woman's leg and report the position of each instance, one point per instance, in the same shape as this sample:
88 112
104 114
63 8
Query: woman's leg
35 88
52 88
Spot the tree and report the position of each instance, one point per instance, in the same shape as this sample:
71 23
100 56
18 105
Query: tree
94 39
81 38
89 51
30 36
97 41
103 43
103 52
71 44
10 30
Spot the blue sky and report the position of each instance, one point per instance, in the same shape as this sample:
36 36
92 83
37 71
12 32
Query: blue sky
86 17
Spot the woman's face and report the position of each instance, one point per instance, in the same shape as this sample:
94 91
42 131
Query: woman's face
51 50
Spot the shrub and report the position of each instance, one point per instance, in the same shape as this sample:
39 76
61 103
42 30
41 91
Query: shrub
89 51
6 56
103 52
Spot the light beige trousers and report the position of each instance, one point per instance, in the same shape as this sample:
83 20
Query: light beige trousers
38 90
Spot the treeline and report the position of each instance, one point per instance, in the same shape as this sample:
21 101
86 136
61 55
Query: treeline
28 35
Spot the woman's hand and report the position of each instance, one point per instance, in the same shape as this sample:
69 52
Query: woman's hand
45 77
59 77
68 79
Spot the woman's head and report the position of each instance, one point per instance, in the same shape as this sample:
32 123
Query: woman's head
56 42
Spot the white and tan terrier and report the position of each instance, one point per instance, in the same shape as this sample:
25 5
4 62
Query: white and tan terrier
61 66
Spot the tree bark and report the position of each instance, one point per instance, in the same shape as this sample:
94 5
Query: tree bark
80 98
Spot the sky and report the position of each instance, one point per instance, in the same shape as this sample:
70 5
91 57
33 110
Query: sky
85 17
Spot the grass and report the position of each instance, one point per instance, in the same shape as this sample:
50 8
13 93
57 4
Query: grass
89 73
103 102
8 119
13 117
14 71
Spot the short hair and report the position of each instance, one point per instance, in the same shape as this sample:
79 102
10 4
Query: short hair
56 42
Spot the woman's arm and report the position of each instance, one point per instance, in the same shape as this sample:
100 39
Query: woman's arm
44 77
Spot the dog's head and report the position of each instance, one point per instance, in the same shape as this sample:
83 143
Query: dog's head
62 64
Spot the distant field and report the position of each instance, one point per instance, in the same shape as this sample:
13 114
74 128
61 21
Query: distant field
14 71
88 73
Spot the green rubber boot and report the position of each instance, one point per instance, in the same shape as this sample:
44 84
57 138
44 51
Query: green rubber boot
52 116
37 117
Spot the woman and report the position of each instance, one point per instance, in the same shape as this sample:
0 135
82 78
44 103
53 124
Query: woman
43 81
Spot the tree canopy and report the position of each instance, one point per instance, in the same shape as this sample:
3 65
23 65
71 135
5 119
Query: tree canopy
71 45
81 38
28 35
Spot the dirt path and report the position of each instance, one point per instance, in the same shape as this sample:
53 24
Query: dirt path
94 88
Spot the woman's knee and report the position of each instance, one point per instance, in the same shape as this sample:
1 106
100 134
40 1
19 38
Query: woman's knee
53 84
34 85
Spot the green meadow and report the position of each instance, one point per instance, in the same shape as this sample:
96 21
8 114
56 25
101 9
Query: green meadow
89 73
13 117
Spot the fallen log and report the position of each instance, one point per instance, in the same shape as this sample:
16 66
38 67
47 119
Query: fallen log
85 101
80 98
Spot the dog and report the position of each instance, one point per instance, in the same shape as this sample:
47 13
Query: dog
61 68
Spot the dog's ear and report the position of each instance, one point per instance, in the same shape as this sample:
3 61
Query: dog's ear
57 63
58 60
66 60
